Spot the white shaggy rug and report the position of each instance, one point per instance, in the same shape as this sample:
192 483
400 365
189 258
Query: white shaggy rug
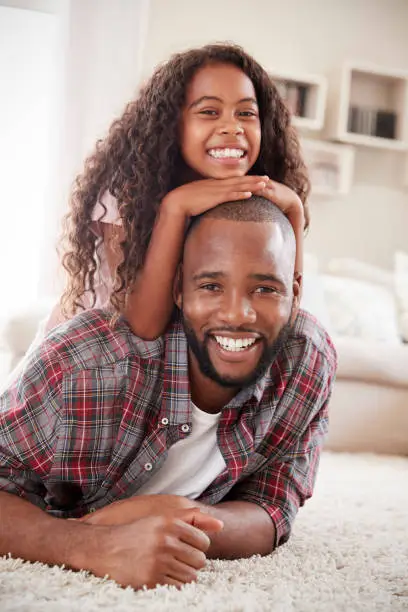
348 553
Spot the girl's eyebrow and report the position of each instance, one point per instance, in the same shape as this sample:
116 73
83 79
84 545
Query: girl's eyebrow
206 98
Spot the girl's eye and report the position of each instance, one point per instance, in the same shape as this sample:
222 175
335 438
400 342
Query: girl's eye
208 111
248 113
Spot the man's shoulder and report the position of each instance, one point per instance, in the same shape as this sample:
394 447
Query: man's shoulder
311 333
306 366
93 339
309 351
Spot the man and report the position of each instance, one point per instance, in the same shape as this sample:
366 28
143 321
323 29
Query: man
223 416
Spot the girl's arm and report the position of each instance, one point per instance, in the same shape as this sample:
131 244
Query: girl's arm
291 205
150 303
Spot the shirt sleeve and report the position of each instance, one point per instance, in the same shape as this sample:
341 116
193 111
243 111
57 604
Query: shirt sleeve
285 481
28 426
106 211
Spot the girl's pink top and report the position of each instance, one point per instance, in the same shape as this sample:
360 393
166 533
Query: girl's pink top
103 281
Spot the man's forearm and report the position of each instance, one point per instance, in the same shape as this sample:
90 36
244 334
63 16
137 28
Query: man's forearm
248 530
30 533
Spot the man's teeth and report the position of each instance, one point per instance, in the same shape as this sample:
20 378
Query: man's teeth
225 153
232 344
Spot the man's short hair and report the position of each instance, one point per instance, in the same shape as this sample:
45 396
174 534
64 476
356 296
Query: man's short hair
256 209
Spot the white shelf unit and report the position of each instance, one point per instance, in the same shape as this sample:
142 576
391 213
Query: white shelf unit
305 96
369 107
330 167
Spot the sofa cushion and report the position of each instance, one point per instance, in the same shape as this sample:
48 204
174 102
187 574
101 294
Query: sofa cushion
361 309
373 362
314 299
360 270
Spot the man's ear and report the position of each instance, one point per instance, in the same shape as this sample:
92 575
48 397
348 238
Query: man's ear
177 286
297 294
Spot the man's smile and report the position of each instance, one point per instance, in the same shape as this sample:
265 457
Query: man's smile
236 349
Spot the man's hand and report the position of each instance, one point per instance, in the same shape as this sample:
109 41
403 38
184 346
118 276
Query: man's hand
156 549
128 510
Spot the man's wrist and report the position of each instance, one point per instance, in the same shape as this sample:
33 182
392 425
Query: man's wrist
86 545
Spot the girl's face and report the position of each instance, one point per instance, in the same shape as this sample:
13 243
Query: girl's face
220 127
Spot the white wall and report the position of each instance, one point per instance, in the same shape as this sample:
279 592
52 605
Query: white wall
28 109
104 53
313 36
103 45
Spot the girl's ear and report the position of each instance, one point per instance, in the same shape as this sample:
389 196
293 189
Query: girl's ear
177 286
297 294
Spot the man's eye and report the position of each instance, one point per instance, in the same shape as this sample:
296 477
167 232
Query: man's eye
266 290
210 287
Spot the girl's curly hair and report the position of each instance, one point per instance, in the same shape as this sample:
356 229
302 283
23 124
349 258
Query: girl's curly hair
139 162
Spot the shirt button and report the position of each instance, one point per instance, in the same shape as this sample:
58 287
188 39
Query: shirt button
165 421
185 428
148 467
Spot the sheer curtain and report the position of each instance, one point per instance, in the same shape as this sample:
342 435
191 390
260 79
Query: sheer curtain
64 75
29 89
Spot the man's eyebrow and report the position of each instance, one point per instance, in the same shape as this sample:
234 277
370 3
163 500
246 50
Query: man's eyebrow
217 99
207 274
214 275
272 278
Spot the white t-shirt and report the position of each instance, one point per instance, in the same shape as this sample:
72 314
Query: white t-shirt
192 463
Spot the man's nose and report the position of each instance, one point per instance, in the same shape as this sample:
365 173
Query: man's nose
237 310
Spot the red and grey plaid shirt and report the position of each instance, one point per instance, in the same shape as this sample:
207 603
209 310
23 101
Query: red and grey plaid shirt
90 417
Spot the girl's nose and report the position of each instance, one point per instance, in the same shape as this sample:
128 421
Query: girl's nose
232 127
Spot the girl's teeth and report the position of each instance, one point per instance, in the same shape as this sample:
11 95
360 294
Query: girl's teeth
231 344
226 153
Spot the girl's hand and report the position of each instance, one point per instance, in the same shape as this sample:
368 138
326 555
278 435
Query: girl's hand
195 198
285 198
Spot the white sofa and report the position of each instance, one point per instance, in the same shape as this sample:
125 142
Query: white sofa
369 404
365 310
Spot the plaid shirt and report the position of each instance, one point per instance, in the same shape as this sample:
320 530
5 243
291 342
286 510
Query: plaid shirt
92 413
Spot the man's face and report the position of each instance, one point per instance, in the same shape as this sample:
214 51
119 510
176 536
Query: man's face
237 298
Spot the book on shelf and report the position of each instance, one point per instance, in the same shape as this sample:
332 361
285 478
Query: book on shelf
372 122
294 95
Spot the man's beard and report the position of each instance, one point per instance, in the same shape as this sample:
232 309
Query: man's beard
201 353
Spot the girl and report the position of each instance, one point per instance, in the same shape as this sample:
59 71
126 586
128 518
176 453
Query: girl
208 127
